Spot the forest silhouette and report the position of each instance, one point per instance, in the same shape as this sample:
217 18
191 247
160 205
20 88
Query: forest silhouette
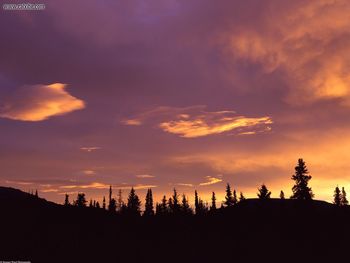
295 229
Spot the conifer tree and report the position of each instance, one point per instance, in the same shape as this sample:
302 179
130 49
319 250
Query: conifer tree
66 200
301 190
282 195
120 200
185 206
104 203
344 200
234 198
163 206
134 203
97 205
149 204
263 193
90 204
111 201
175 202
36 194
213 202
229 197
337 196
81 201
196 202
241 197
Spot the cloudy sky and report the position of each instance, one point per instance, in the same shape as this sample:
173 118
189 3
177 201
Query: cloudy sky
169 93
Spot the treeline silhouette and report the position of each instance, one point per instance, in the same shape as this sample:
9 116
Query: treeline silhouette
263 229
179 205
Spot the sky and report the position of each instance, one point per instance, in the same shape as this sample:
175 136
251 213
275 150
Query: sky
167 94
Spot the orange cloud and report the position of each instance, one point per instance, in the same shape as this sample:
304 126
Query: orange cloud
308 42
191 122
211 180
145 176
40 102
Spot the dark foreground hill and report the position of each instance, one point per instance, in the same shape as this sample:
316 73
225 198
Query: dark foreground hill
35 230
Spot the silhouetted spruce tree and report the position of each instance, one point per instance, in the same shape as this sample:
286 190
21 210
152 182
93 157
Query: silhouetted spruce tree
134 203
120 200
343 200
202 207
196 202
104 203
81 201
229 197
185 206
263 193
94 203
301 190
111 201
97 205
66 200
149 204
36 194
163 209
337 196
90 204
282 195
234 198
213 202
176 205
241 197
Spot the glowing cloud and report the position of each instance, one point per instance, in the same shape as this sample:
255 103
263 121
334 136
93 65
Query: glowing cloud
40 102
211 180
308 43
194 121
90 149
145 176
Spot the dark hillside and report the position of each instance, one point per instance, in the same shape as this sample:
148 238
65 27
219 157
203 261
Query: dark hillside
269 230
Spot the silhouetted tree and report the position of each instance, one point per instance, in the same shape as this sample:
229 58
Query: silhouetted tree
282 195
263 193
202 207
134 203
104 203
241 197
120 200
343 200
90 204
36 194
97 205
213 202
301 190
185 206
234 198
175 205
337 196
162 208
66 200
229 197
196 202
149 204
94 203
81 201
111 201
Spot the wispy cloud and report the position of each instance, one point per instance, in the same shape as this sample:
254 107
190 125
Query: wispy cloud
185 184
145 176
39 102
89 172
192 122
90 149
211 180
